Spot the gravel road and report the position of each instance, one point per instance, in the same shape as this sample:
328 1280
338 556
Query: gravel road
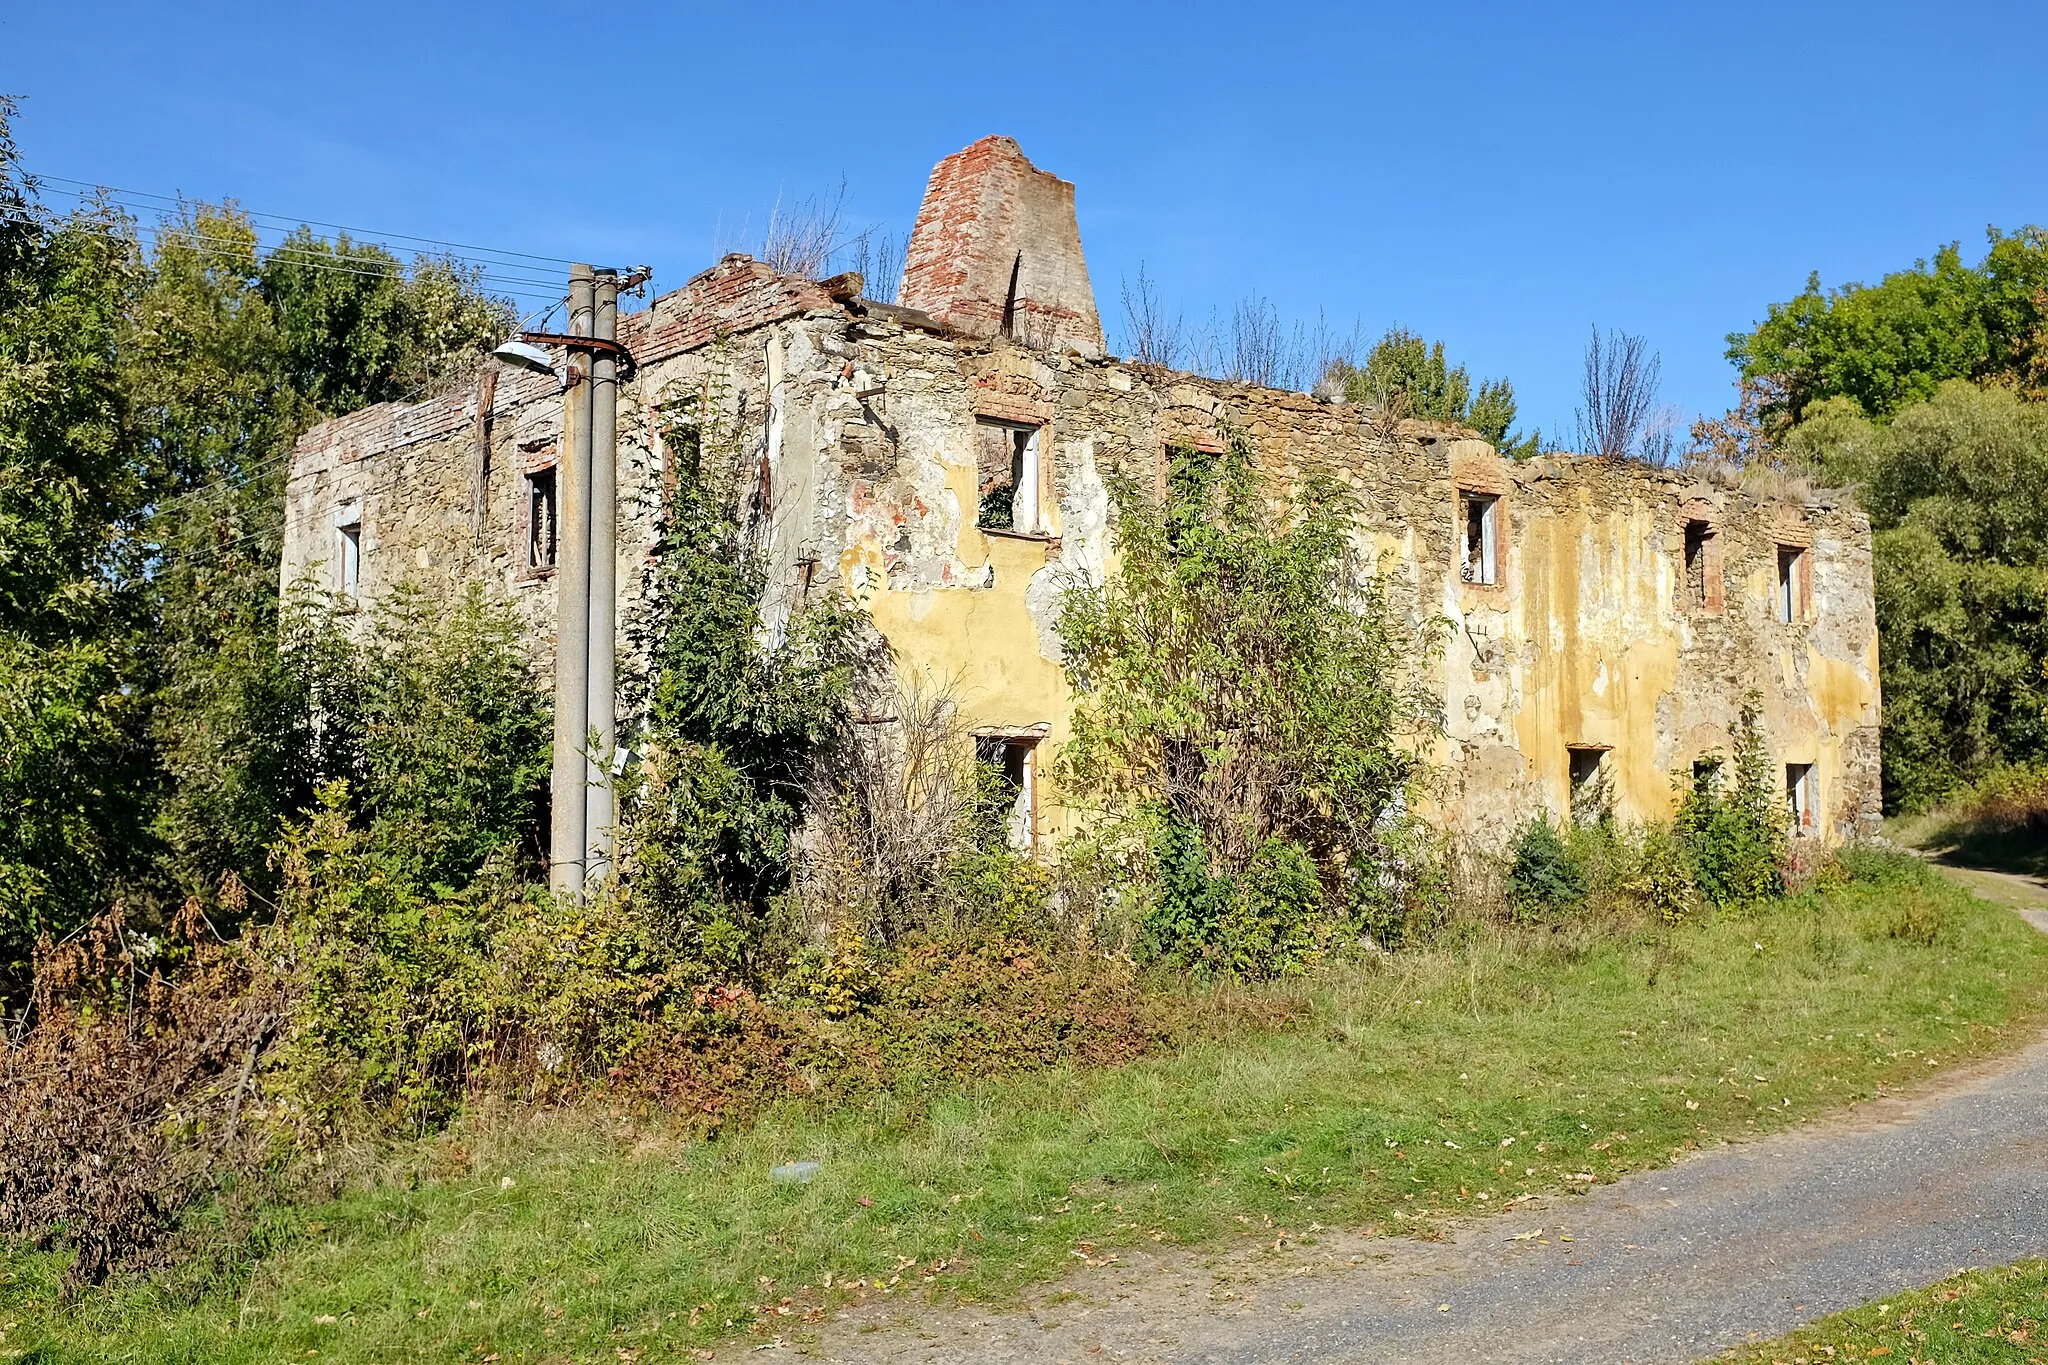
1664 1266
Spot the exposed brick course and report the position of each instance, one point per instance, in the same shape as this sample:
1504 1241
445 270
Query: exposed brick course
738 294
991 219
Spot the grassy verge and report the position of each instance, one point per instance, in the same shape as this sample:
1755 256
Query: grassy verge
2002 823
1979 1315
1972 841
1426 1085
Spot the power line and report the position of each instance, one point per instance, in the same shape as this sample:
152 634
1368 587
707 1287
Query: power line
494 271
193 237
507 275
179 201
519 286
248 476
338 265
226 252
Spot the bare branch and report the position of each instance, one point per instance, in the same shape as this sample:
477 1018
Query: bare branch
1621 416
1258 350
1151 337
800 239
877 254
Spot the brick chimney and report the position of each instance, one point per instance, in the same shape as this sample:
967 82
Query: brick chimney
997 251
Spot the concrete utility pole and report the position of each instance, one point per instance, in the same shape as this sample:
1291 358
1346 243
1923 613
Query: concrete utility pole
601 804
566 835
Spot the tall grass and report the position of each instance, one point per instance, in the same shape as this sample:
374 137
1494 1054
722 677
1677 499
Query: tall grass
2001 822
1426 1085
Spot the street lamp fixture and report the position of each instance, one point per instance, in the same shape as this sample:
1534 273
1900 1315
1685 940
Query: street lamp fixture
526 356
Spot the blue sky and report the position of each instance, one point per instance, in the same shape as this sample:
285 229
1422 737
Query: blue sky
1499 177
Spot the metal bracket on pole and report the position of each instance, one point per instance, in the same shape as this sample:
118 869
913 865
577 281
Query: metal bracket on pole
603 345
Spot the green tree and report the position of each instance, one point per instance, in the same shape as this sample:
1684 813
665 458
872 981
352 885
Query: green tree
357 329
1890 345
1960 549
154 726
75 777
1244 706
234 351
231 721
1411 378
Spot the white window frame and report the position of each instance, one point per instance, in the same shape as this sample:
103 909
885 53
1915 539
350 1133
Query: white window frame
1802 797
1024 488
1486 571
349 552
1791 564
1023 828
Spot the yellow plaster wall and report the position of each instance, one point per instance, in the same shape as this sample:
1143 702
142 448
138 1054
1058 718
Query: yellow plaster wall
983 648
1600 667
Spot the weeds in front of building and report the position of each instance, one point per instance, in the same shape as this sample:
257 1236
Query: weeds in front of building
1727 846
1386 1094
823 899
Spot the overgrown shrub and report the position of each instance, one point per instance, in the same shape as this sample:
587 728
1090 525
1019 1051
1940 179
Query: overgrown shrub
1543 877
368 997
1271 918
2010 800
454 736
909 832
941 1009
1244 699
1664 879
129 1094
428 711
1727 845
1881 864
739 717
1734 825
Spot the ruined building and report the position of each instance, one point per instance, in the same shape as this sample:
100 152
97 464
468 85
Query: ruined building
942 462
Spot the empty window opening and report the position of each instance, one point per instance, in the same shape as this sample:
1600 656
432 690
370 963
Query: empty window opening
1189 483
1706 773
1480 516
1592 789
351 557
1793 587
1702 565
1010 299
540 519
1006 463
676 449
683 447
1014 764
1802 791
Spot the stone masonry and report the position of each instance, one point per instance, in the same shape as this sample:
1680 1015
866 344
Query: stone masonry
943 464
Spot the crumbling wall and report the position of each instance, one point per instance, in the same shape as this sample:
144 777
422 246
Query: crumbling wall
996 251
847 434
1588 641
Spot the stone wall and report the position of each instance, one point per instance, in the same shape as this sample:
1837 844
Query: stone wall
849 433
857 471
